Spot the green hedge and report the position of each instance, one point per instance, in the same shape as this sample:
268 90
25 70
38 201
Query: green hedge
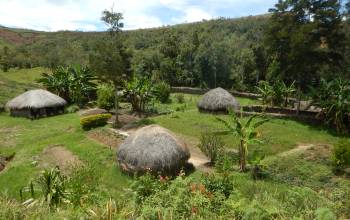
93 121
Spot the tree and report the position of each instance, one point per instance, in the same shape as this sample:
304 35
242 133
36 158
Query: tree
246 133
111 60
74 83
5 59
333 97
305 37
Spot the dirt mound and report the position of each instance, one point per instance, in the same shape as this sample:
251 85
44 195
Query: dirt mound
58 155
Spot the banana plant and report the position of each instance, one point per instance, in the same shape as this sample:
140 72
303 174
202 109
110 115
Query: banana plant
246 132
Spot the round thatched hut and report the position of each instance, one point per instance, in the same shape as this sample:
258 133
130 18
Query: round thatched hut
153 149
218 100
35 104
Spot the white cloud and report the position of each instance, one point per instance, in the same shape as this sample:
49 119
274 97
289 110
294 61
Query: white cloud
53 15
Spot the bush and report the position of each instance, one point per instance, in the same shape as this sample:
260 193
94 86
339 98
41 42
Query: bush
162 92
211 145
94 121
218 183
341 155
105 96
180 98
72 109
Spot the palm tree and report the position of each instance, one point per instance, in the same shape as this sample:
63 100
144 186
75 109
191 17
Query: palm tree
245 132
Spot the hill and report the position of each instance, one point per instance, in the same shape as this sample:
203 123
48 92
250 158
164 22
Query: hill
224 40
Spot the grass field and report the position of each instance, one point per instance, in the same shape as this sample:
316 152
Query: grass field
300 180
16 81
29 138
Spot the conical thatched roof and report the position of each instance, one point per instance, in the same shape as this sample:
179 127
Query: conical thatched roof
37 99
154 149
218 100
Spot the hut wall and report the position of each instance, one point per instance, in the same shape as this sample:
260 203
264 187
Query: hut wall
37 113
20 113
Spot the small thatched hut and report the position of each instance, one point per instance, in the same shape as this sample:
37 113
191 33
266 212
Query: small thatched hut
218 100
153 149
35 104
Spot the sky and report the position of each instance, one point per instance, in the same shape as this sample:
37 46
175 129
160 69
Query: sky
84 15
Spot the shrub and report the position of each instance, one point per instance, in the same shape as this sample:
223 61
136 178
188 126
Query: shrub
82 183
180 98
341 155
139 92
333 98
52 187
246 132
72 109
211 145
144 187
325 214
105 96
162 92
94 121
225 161
218 183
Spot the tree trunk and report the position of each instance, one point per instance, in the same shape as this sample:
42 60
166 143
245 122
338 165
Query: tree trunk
116 108
242 159
299 100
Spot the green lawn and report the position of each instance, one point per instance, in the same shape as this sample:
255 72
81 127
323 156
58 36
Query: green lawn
297 183
29 138
16 81
278 135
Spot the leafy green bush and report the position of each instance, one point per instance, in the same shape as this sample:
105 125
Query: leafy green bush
333 98
144 187
74 84
162 92
211 145
341 155
52 187
325 214
82 183
276 94
180 98
93 121
225 161
139 92
72 109
105 96
218 183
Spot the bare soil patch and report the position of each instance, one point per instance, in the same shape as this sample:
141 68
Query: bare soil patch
58 155
310 152
5 160
8 136
105 137
125 119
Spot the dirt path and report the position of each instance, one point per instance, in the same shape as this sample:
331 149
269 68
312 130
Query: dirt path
299 149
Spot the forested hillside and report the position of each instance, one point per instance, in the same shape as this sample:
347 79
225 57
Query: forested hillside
231 53
209 53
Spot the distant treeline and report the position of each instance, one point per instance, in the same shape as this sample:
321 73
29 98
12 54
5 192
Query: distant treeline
231 53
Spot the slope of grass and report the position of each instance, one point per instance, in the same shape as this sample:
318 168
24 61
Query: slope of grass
17 81
278 135
29 138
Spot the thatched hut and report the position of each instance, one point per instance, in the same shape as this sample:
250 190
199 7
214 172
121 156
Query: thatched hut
218 100
35 104
153 149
